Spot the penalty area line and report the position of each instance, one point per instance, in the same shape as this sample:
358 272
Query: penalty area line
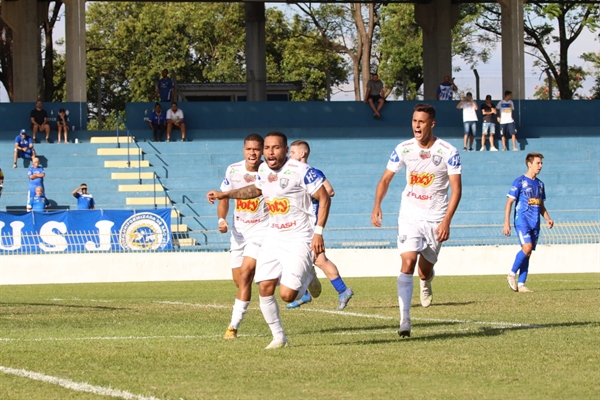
76 386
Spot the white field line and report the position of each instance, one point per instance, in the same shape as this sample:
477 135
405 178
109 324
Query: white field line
78 299
76 386
179 303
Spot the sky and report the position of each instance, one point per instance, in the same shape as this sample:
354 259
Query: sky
490 73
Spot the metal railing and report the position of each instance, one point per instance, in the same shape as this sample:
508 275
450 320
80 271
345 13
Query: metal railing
130 138
166 197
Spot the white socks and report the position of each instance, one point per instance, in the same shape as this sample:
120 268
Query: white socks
270 310
405 290
239 309
304 287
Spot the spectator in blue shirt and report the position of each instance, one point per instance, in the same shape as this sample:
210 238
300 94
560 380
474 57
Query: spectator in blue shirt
85 201
446 89
23 147
157 122
38 202
36 176
164 87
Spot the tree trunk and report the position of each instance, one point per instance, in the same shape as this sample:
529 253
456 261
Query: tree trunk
562 80
6 59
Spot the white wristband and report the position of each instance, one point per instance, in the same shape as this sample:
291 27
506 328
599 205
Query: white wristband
319 230
222 220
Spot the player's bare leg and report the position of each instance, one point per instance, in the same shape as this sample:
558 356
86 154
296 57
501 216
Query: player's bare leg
405 290
426 273
243 277
270 310
333 274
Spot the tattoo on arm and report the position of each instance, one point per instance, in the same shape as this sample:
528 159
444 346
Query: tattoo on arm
248 192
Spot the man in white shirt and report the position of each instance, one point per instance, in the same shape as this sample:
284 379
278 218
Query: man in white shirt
175 120
507 123
469 108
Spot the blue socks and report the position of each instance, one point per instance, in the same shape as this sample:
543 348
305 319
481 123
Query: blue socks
521 264
523 271
339 285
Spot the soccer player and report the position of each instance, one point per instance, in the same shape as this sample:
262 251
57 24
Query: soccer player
250 221
38 202
285 257
432 165
529 194
299 151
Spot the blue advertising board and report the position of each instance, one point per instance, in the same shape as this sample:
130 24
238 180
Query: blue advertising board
85 230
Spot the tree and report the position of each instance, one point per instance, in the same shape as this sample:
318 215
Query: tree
570 19
575 81
594 58
6 58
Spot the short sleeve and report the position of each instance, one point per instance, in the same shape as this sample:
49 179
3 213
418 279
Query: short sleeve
226 184
313 179
515 189
454 164
395 163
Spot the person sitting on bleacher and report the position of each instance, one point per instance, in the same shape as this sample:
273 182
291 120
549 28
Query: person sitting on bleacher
39 202
157 123
62 125
23 147
175 120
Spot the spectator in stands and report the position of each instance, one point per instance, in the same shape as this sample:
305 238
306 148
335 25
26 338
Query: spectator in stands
175 120
157 123
446 89
489 123
62 124
38 202
164 87
469 108
85 201
36 176
507 123
23 147
374 94
39 121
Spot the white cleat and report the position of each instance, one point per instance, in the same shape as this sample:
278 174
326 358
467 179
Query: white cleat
314 287
404 330
278 344
426 291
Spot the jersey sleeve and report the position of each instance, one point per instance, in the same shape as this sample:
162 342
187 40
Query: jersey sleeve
395 162
313 179
454 164
226 184
515 189
259 178
92 202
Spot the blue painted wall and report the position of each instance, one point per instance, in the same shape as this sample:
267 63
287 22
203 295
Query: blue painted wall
15 116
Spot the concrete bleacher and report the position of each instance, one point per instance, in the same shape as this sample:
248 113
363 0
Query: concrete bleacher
352 157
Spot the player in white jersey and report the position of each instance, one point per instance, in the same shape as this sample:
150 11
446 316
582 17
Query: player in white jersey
300 150
250 221
432 165
285 256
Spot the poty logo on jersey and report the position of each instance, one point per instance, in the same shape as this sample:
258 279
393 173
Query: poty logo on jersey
454 161
425 179
272 177
424 154
394 157
144 231
311 176
250 205
534 202
249 178
278 206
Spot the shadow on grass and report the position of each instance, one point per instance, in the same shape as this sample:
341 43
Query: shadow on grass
418 304
63 306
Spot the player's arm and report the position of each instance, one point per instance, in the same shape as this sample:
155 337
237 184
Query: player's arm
329 188
248 192
321 195
75 192
544 213
443 230
380 192
507 209
222 210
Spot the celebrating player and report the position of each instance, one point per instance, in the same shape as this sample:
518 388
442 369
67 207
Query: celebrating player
299 151
529 194
285 256
250 221
432 165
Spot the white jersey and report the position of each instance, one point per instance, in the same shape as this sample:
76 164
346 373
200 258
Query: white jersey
506 108
469 112
425 196
250 216
287 193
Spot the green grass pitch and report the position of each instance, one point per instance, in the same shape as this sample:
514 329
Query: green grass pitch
478 340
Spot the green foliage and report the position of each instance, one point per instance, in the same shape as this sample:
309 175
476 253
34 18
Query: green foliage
576 77
594 58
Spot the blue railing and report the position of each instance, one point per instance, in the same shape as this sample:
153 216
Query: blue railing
130 139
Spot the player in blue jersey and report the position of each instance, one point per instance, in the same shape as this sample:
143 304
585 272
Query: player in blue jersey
36 176
38 202
85 201
299 151
529 194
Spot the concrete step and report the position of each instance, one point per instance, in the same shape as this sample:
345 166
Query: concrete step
141 188
111 139
179 228
146 201
112 151
123 164
187 242
132 175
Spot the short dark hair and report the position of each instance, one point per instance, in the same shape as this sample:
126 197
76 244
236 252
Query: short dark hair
426 108
469 94
507 92
279 135
489 96
254 137
156 104
375 74
302 143
531 156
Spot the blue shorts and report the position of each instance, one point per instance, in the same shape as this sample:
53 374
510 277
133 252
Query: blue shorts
23 154
508 129
470 127
488 127
527 235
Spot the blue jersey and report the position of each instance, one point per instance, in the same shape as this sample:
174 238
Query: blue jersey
164 87
23 141
157 119
38 203
315 202
33 183
529 195
85 201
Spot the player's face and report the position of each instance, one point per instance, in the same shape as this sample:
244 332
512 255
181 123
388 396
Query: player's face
535 166
252 153
295 153
422 125
275 152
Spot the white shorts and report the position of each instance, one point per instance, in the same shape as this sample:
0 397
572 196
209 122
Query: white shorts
244 248
419 236
290 262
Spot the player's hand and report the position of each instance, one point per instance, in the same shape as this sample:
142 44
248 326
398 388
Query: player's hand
550 224
443 232
317 245
506 230
376 217
214 195
223 225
